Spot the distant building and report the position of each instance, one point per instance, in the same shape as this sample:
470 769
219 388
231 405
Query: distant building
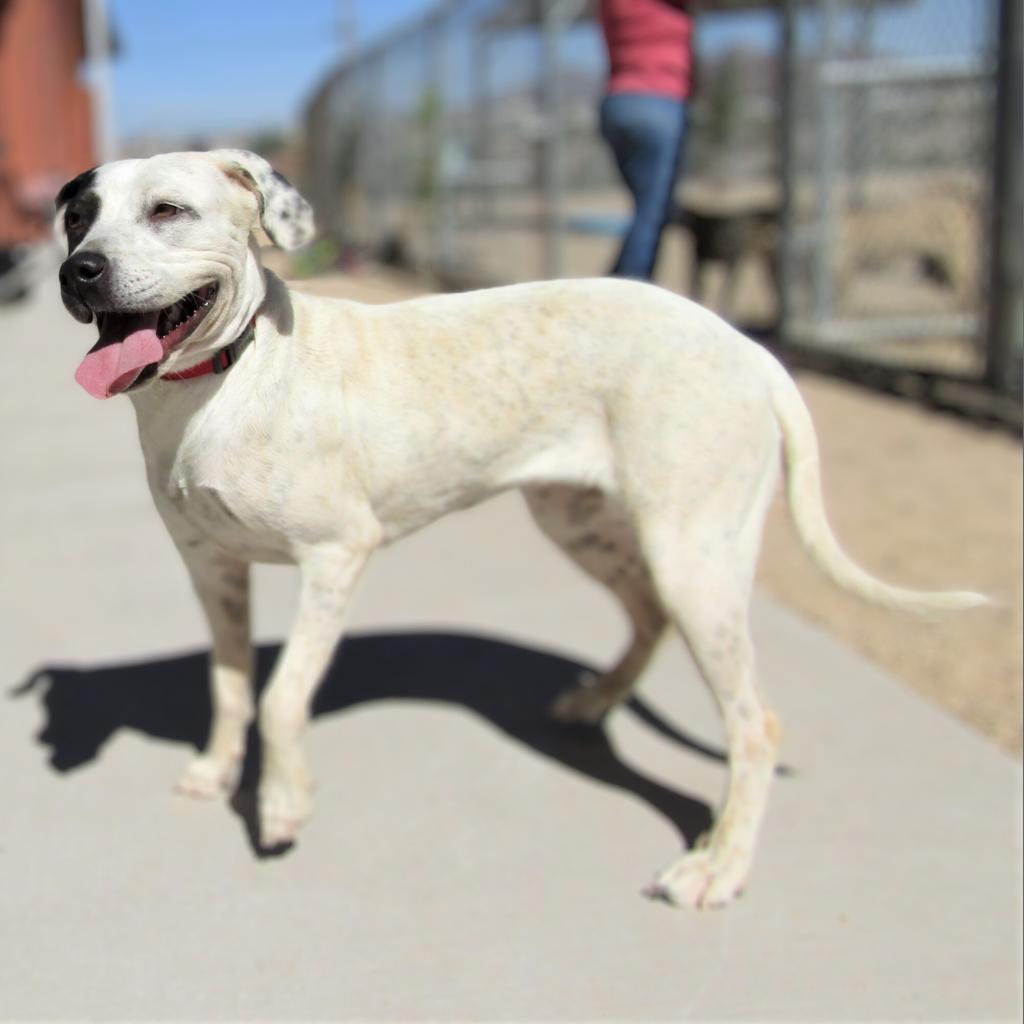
46 118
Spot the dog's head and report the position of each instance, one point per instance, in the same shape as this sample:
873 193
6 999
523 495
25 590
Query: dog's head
161 256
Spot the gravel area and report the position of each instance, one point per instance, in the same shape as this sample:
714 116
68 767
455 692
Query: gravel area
919 498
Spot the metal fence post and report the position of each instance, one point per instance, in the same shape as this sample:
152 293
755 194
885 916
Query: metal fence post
97 45
481 102
827 152
435 92
786 141
1006 308
552 155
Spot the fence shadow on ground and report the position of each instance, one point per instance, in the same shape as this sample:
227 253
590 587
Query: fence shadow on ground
508 685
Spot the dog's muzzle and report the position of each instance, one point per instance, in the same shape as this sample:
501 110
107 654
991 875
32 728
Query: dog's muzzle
83 280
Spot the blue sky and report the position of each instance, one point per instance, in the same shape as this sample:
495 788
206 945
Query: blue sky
225 65
212 66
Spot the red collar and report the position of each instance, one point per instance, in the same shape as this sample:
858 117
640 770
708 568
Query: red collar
220 360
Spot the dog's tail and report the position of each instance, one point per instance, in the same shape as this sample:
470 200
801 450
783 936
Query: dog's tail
807 508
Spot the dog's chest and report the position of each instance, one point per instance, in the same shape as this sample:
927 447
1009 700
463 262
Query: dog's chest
233 506
230 490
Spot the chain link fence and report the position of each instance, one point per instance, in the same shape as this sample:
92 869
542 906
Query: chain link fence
436 148
890 173
839 160
468 145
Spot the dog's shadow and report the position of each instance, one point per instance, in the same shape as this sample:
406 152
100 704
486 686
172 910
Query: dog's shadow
510 686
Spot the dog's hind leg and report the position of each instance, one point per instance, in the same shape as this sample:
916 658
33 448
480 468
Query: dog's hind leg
704 571
222 585
595 532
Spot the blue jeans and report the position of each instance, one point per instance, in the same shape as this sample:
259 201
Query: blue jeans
645 133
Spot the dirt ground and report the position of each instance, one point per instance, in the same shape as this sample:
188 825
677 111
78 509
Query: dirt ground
926 500
919 498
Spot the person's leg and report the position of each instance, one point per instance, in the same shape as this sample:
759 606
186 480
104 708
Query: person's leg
645 134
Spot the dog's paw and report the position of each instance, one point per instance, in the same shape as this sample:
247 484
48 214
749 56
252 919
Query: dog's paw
282 810
206 778
701 880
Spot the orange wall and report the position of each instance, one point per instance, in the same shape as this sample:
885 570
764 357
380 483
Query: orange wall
45 113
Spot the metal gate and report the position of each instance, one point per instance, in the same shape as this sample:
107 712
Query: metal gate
467 146
887 161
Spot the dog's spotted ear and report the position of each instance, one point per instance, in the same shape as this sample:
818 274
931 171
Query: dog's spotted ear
286 217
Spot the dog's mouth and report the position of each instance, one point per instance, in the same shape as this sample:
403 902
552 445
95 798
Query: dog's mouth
131 346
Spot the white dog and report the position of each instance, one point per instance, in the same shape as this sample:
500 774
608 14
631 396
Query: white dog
278 427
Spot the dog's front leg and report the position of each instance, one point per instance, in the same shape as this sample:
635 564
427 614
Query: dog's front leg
329 574
222 585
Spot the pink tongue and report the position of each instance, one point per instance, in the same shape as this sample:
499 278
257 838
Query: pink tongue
128 344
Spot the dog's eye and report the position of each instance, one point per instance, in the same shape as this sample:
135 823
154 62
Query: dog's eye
72 220
164 211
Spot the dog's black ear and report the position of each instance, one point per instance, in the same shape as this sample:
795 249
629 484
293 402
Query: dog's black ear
286 217
69 191
74 187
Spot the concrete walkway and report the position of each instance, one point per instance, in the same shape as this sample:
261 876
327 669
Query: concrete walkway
467 859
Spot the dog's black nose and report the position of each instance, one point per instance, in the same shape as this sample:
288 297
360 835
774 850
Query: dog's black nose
83 268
